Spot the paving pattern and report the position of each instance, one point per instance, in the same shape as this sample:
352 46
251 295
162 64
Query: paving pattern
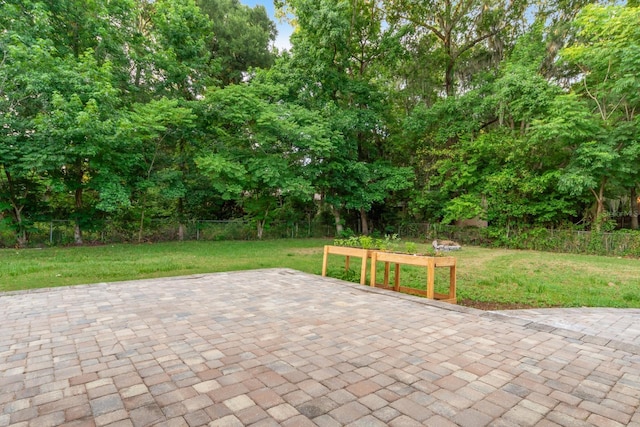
612 323
279 347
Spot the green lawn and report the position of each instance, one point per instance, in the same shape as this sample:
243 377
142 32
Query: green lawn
499 276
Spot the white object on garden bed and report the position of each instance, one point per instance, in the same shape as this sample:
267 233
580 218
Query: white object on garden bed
446 245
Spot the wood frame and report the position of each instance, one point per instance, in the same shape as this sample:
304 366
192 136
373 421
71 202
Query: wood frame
431 263
348 252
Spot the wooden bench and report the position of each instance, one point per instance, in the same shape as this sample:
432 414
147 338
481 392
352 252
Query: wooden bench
431 263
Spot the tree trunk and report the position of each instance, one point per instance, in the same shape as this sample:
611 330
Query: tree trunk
449 78
77 234
21 232
181 231
633 207
599 218
449 73
338 220
77 230
261 223
21 238
364 222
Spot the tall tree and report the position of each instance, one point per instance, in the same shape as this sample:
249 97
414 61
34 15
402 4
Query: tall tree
607 55
242 38
181 31
152 128
26 58
339 47
455 31
263 152
80 126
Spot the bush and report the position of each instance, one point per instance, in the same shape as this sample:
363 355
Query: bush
616 243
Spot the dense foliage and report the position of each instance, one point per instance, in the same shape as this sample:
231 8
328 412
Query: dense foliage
519 113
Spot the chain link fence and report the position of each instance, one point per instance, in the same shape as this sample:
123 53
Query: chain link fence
620 243
61 232
429 232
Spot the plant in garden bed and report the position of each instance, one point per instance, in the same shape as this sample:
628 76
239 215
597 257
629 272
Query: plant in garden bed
390 242
410 247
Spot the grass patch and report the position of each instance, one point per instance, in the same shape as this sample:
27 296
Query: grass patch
544 279
531 278
38 268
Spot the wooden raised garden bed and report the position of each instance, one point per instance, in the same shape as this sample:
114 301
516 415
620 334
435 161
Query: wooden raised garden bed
430 263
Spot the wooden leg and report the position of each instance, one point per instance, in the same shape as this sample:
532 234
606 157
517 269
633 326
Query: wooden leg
346 263
452 283
396 278
431 273
374 261
324 261
386 274
363 271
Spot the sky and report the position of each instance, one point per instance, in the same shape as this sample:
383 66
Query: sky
284 29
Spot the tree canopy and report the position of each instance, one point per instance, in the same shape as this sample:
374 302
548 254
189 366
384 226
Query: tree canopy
519 113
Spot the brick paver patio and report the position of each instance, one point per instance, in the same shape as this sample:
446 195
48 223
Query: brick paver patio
279 347
612 323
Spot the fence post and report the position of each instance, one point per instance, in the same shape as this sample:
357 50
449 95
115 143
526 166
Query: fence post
51 233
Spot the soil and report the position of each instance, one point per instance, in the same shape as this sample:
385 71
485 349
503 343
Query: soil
490 306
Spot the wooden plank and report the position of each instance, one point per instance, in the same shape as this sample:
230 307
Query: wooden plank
363 269
386 273
396 279
431 277
345 250
413 291
402 258
452 284
418 260
324 261
445 261
374 261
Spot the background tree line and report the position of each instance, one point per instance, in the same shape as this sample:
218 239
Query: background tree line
522 113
